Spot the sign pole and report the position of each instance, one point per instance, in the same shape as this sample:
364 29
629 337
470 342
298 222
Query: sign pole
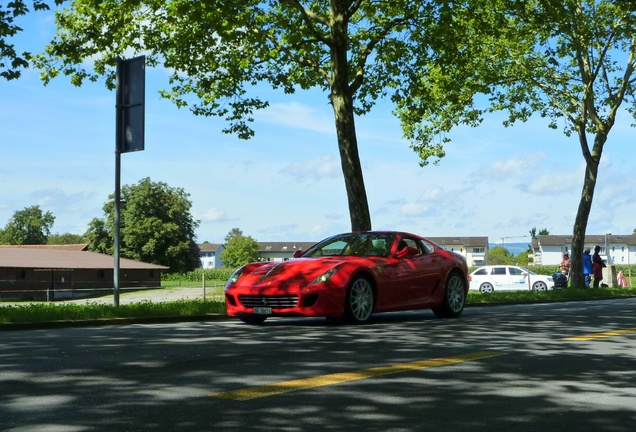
118 146
130 121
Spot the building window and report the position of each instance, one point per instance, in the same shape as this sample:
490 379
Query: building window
479 250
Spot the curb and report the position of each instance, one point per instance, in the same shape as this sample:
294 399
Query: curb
110 321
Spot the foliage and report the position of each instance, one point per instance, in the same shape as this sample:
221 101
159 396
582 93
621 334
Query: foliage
234 232
547 296
500 255
28 227
66 238
12 61
48 312
521 259
155 225
571 62
217 274
358 52
239 250
534 235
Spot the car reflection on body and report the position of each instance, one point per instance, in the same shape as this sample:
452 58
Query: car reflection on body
487 279
352 276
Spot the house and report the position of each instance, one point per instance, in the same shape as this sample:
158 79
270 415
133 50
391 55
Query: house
210 255
615 249
281 251
59 272
474 249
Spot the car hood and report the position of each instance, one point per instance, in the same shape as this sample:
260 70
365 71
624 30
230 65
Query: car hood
298 271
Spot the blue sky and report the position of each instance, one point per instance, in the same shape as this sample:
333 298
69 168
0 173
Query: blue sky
286 183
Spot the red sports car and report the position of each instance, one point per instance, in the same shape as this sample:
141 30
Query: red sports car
351 276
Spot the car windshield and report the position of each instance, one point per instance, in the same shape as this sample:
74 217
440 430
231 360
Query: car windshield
363 244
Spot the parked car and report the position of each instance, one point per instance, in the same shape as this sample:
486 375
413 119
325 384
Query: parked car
487 279
352 275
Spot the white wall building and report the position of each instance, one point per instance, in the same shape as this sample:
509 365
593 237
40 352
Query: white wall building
615 249
281 251
474 249
210 255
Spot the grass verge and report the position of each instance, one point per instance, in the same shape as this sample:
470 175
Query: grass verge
48 312
552 295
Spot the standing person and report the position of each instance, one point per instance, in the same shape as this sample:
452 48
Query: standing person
598 263
588 267
565 264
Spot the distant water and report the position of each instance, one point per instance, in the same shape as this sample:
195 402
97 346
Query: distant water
514 248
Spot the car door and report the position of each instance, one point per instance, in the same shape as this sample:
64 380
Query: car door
518 278
411 279
500 278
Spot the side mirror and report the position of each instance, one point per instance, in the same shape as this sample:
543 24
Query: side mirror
407 252
297 253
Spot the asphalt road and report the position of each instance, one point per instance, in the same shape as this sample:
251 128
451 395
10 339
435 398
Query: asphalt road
546 367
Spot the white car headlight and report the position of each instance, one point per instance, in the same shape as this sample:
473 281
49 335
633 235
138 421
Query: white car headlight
325 276
235 277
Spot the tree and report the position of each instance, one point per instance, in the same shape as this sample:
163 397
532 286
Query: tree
234 232
66 238
239 250
28 227
534 235
356 51
522 259
500 255
155 225
11 61
572 62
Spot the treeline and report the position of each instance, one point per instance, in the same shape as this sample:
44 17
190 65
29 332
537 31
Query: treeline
215 274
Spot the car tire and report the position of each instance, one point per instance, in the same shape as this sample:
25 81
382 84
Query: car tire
486 288
454 297
539 286
360 300
252 319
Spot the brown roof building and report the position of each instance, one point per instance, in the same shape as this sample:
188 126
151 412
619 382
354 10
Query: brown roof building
55 273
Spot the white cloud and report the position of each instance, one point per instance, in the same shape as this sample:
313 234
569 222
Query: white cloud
214 215
556 183
322 166
520 165
297 115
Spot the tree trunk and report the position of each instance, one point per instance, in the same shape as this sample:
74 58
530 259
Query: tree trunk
585 205
351 167
342 102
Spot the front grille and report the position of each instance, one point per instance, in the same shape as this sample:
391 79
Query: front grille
280 301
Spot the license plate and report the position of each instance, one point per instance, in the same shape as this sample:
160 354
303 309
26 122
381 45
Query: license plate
263 310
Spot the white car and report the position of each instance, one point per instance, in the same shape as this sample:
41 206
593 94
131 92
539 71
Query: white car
508 278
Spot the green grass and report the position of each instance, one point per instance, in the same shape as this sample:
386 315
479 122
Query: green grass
47 312
552 295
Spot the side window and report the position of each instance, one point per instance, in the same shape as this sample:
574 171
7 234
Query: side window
414 243
499 271
426 248
481 272
515 271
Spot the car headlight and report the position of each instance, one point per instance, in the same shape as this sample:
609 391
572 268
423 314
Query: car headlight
235 277
325 276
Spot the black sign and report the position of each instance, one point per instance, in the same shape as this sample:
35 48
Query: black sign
131 89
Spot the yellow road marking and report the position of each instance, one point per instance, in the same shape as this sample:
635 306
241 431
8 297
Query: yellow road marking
601 335
337 378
